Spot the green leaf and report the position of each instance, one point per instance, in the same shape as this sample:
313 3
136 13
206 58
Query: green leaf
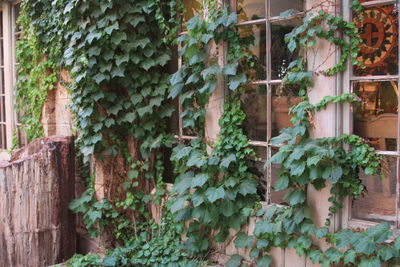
262 243
374 262
234 261
297 168
248 186
337 173
296 197
386 253
197 198
199 180
196 159
213 194
226 161
243 240
183 185
313 160
110 261
350 256
118 37
264 261
94 215
236 81
230 69
282 183
228 208
179 204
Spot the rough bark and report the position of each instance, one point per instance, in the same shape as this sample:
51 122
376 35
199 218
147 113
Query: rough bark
36 186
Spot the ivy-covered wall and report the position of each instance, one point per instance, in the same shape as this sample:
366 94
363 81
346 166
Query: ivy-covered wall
122 91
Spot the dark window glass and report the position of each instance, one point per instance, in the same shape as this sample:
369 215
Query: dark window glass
380 201
279 6
255 106
375 117
250 9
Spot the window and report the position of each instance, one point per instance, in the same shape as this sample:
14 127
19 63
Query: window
9 33
375 118
267 101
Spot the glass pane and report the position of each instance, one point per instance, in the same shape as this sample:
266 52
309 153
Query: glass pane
3 140
379 203
250 9
279 6
256 36
276 196
2 109
375 117
1 23
261 153
280 55
2 89
191 7
283 98
379 31
255 106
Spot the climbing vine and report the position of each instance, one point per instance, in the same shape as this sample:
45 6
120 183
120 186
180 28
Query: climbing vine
117 53
36 76
212 185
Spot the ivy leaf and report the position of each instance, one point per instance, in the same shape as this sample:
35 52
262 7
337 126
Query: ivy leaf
110 261
183 185
296 197
213 194
205 38
350 256
118 37
196 159
282 183
374 262
243 240
178 204
230 69
386 253
228 208
236 81
197 198
313 160
234 261
226 161
297 168
199 180
94 215
336 174
148 63
248 186
365 245
262 243
264 261
183 151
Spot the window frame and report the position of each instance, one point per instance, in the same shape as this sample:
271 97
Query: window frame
268 82
348 80
10 72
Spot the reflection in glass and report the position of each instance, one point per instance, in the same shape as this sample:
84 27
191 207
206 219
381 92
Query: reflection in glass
283 98
276 196
250 9
279 6
3 140
280 55
256 35
261 153
375 117
378 27
191 7
254 102
379 203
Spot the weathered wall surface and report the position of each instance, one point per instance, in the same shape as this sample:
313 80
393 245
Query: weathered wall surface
56 116
36 186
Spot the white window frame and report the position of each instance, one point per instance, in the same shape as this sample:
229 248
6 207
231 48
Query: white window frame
347 123
10 73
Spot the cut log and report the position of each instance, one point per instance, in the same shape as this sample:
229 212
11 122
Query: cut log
36 186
